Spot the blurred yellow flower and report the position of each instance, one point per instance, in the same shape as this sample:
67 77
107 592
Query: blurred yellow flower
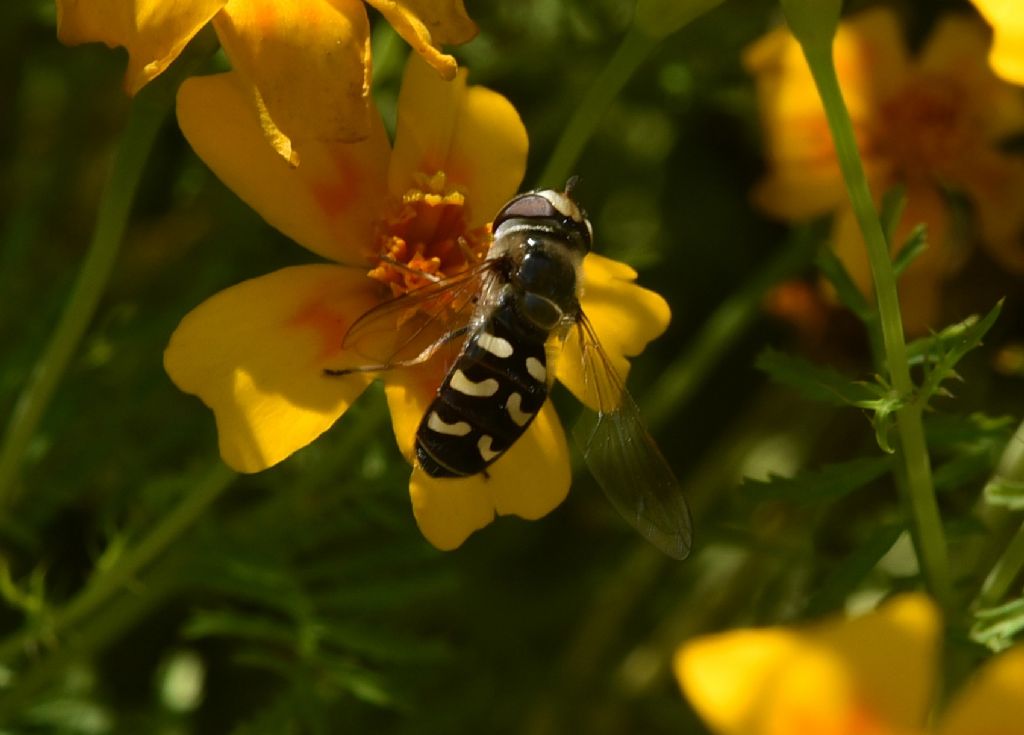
296 58
872 675
932 124
256 353
1007 20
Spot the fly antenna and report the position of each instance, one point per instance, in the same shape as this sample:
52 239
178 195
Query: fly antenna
571 184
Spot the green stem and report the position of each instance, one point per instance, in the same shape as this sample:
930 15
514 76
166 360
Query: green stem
112 579
915 463
149 110
1010 563
632 52
161 581
1005 571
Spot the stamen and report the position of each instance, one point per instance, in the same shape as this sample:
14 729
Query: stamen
426 238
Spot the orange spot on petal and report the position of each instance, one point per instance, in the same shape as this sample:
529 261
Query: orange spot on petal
337 193
329 325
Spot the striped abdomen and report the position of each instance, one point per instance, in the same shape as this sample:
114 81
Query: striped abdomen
492 393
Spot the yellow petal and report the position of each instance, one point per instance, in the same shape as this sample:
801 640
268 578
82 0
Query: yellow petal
328 204
956 52
994 183
871 62
255 354
892 655
473 135
726 677
625 317
920 286
310 61
796 193
409 392
153 31
529 481
1007 22
871 57
427 24
992 702
867 675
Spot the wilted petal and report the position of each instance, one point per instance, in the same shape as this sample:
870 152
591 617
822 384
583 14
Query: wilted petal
427 24
328 204
472 134
153 31
310 61
992 702
625 318
869 674
255 354
529 481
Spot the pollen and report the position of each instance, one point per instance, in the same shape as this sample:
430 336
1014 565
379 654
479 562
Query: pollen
426 238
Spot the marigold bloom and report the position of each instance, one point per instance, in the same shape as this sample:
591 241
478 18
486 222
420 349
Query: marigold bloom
931 124
1007 20
306 64
256 353
872 675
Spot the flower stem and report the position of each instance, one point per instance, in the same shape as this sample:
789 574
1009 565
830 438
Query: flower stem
1010 563
912 450
1007 569
632 51
109 580
149 110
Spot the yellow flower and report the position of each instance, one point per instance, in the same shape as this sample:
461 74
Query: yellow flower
256 353
872 675
298 57
931 124
1007 20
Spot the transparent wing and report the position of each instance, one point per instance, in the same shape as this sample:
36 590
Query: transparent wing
411 328
623 457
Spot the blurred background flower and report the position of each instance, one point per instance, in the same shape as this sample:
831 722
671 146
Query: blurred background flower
1007 20
930 122
870 675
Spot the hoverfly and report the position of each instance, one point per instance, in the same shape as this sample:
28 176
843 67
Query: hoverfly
504 311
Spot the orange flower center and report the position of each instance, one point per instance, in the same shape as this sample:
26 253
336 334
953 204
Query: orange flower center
426 237
926 128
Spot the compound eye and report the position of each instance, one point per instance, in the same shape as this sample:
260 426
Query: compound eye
527 206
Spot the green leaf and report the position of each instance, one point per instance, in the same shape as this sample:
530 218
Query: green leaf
849 294
945 431
996 627
820 383
827 483
894 202
915 244
824 384
948 347
847 576
1005 493
882 421
962 470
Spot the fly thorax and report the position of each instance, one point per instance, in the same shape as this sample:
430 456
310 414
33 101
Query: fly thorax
544 283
